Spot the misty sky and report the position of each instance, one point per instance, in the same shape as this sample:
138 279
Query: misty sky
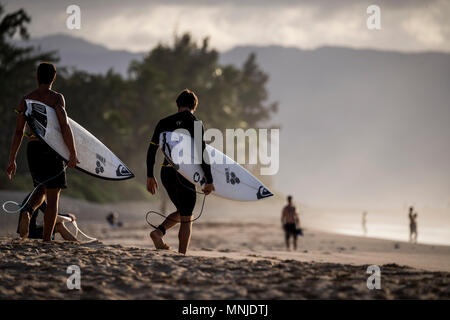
138 25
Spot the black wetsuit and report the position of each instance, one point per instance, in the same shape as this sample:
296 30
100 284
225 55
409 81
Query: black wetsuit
181 192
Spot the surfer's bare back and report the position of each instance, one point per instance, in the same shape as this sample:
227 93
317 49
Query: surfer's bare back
46 166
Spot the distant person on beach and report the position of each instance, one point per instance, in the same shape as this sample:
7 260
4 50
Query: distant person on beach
290 222
364 223
412 225
36 231
43 162
113 220
181 192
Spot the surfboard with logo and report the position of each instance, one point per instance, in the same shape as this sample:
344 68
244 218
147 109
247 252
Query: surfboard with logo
231 180
95 158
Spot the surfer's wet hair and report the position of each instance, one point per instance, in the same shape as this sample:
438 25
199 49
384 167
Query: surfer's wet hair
289 198
46 73
187 98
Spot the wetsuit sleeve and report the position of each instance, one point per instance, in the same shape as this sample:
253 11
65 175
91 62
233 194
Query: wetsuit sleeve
205 163
152 148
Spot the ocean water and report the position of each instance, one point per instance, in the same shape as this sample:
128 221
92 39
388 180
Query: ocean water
433 224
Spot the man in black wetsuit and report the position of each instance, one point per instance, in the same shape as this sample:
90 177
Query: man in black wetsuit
181 192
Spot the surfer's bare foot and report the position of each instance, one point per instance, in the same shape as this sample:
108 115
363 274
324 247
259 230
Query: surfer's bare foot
158 241
24 224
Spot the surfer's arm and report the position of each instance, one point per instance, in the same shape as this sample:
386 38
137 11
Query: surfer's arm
17 140
151 152
66 131
208 187
297 219
206 166
152 185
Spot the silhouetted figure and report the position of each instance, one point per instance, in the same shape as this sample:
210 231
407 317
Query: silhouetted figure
290 221
47 168
112 219
412 225
364 222
181 192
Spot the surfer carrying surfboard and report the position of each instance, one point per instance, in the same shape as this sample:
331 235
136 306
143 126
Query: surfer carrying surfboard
45 165
181 192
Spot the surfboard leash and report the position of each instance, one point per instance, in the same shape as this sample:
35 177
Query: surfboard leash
31 194
173 220
167 217
74 223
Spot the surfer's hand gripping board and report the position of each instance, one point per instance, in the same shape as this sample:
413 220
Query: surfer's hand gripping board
231 180
92 157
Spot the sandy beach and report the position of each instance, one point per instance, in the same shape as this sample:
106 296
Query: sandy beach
32 270
227 260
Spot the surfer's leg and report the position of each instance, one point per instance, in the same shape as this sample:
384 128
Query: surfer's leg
24 224
171 220
184 235
287 235
295 241
50 213
157 234
37 198
25 215
64 232
187 199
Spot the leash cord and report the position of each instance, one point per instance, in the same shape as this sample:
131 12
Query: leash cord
173 220
77 229
29 197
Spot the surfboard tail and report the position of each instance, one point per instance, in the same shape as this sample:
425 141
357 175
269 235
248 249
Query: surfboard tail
263 192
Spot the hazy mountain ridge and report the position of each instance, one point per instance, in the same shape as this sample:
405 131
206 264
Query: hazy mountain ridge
84 55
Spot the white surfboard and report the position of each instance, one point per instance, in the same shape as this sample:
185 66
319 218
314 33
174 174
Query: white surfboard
95 158
231 180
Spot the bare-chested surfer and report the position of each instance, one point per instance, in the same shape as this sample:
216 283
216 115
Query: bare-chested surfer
43 162
290 221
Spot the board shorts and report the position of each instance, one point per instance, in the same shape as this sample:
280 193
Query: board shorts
290 229
44 163
181 192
